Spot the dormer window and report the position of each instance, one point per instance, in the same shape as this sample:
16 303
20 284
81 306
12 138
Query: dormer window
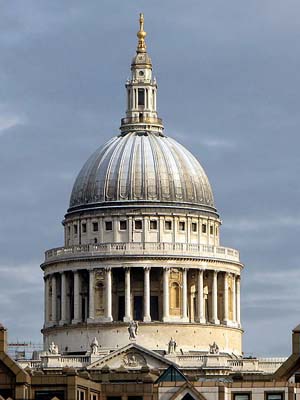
153 224
181 225
123 225
108 225
138 224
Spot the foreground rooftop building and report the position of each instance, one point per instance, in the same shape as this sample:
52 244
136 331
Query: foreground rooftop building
142 301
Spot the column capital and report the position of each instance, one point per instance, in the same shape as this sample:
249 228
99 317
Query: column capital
147 268
107 269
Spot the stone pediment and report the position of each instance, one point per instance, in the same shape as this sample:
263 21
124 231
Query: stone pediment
131 357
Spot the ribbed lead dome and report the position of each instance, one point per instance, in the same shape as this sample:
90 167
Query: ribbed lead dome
141 167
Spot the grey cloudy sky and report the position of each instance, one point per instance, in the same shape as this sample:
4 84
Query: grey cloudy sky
228 75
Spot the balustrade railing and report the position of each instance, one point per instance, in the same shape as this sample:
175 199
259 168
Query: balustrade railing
262 365
167 249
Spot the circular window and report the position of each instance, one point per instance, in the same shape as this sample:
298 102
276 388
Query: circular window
141 73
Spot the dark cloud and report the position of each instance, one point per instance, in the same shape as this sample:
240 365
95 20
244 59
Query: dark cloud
228 79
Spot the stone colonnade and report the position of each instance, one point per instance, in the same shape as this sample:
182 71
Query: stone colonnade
68 310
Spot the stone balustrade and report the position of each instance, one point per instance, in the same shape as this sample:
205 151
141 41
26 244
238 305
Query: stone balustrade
258 365
144 249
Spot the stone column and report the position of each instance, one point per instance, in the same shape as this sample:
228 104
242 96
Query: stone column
63 299
116 236
225 320
101 229
91 316
54 300
233 300
214 319
184 295
188 230
147 316
136 99
161 229
201 316
238 300
166 302
46 301
146 225
108 296
127 316
76 295
129 229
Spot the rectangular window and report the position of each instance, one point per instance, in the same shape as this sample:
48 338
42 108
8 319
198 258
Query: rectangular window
84 228
113 397
141 97
123 225
211 229
194 226
94 396
135 398
168 225
203 228
75 229
274 396
108 225
181 225
95 227
241 396
49 394
153 224
138 224
80 394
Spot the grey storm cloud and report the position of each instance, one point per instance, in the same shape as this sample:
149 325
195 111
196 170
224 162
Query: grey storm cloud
228 76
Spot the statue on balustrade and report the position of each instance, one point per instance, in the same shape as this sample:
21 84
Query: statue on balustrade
94 346
133 329
53 348
213 348
172 346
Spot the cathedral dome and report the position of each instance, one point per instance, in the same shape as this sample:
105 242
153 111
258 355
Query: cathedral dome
141 167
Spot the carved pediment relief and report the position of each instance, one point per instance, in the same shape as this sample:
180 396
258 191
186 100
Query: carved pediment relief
131 357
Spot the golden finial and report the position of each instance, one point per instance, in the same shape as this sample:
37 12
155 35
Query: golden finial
141 47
